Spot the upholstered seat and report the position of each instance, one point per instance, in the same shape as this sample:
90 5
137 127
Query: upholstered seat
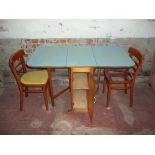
34 77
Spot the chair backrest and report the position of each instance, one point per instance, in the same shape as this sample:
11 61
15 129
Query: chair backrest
17 64
138 58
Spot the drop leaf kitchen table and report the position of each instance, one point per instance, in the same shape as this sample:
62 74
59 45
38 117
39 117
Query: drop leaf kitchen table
80 59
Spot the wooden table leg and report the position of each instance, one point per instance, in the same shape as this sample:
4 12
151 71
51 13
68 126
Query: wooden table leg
50 85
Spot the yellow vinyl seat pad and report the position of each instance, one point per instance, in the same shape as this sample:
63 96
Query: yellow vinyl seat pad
35 77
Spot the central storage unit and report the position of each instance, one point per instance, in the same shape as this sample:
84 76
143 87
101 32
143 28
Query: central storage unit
82 90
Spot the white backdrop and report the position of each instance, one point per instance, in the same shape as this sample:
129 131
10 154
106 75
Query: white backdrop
76 28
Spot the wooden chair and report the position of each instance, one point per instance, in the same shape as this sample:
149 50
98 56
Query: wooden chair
28 81
123 79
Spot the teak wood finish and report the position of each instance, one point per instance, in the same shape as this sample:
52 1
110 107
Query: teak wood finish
82 90
19 69
114 77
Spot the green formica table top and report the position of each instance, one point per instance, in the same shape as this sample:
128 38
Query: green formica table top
80 56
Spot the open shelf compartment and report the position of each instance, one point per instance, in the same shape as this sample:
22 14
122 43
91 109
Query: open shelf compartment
80 81
80 100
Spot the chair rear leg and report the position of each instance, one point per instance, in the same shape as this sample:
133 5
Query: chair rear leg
45 96
125 85
104 84
131 95
108 94
21 99
26 91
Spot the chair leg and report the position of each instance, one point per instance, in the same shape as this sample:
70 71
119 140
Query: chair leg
131 95
45 96
108 94
21 99
104 84
125 85
26 91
